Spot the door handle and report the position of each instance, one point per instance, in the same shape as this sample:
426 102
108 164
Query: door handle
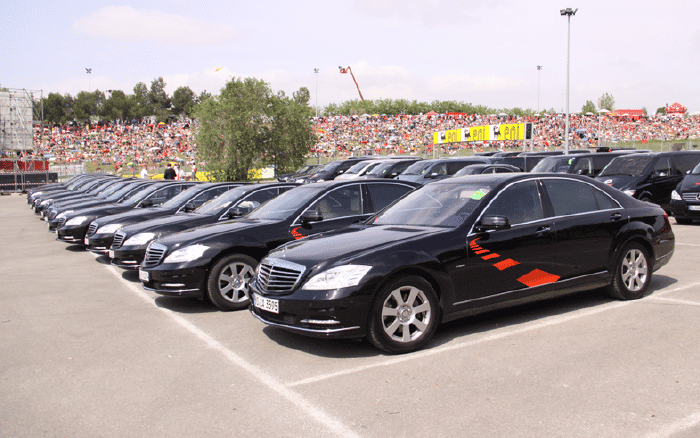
615 217
543 230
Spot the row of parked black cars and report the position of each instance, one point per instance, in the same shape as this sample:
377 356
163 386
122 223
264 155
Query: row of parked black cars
385 259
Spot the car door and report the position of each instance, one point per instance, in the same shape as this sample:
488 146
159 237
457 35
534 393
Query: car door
586 223
339 207
507 263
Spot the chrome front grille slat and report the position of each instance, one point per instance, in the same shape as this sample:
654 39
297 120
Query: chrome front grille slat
61 222
692 196
278 276
91 229
118 239
154 255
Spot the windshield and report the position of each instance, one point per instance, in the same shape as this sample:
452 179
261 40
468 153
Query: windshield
696 170
330 167
435 205
139 195
472 169
554 165
180 198
631 165
356 168
285 205
418 168
116 196
215 205
380 169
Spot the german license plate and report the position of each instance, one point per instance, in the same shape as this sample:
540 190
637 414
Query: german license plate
694 207
111 254
266 304
143 276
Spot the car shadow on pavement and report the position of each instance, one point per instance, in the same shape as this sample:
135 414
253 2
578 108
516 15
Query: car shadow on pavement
463 328
75 248
185 305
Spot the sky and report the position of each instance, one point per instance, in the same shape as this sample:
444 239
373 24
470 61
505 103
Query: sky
646 54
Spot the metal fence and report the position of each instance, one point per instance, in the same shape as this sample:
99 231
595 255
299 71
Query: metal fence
18 175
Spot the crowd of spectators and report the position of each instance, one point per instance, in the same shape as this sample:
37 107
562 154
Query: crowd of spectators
127 147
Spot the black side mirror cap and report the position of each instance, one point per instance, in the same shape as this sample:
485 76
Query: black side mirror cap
235 212
146 203
188 207
493 223
310 216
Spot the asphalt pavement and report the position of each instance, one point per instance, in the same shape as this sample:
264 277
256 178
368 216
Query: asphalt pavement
85 351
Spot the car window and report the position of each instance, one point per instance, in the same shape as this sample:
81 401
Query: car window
662 166
685 162
341 202
605 202
584 166
440 169
205 196
520 203
382 195
162 195
256 199
570 197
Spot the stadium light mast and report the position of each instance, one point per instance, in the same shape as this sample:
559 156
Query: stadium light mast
568 12
316 73
539 69
89 72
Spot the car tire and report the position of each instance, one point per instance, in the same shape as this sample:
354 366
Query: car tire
228 285
632 273
404 316
683 221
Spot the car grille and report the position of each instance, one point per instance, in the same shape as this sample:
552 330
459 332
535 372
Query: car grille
118 239
91 229
278 276
693 196
61 222
154 254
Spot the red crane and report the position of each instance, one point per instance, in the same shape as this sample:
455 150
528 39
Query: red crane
345 70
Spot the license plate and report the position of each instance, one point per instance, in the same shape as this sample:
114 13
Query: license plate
694 207
111 254
143 276
266 304
87 241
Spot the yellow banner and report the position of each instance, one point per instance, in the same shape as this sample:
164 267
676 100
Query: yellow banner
515 131
451 136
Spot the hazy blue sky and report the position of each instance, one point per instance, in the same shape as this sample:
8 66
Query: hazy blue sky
645 53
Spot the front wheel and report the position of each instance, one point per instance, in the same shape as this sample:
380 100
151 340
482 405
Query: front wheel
404 316
228 285
632 273
683 221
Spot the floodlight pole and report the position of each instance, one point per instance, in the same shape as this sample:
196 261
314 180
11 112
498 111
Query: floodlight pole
539 69
568 12
316 72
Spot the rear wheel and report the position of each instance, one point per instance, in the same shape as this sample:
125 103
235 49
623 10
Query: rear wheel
228 285
632 273
404 316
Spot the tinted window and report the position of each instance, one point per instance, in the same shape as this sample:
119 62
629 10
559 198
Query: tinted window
341 202
570 197
632 165
520 203
662 166
256 199
382 195
685 162
605 202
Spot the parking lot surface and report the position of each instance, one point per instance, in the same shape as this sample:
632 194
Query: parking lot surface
85 351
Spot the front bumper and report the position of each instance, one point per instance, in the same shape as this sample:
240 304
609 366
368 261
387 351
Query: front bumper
127 257
72 233
177 282
685 209
340 313
98 243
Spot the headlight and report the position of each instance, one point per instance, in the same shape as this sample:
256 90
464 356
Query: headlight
139 239
64 214
629 192
78 220
335 278
675 196
108 229
46 201
186 254
34 195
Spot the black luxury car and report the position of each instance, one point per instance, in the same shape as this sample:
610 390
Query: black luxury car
425 171
73 227
129 245
478 169
458 247
302 172
650 177
101 230
685 199
391 168
589 164
218 261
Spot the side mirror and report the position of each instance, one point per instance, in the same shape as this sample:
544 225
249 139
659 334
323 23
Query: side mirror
188 207
310 216
146 203
493 223
235 212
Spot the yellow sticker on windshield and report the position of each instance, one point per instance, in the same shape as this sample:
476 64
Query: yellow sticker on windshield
477 195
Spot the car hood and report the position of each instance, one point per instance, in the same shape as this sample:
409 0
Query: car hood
137 214
620 182
691 183
169 224
348 243
213 231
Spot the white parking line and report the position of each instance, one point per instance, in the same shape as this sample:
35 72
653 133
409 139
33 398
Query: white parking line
679 426
686 244
334 426
546 322
673 300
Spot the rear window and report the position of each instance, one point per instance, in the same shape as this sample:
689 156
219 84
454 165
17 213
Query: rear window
632 165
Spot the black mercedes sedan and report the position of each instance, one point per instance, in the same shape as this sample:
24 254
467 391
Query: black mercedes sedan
73 227
459 247
685 198
217 261
129 245
101 231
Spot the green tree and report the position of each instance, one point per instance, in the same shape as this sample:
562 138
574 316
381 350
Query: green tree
589 107
140 103
661 110
183 101
248 126
607 102
88 106
57 108
159 100
118 106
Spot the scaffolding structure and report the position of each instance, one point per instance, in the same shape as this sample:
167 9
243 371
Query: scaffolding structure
20 109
